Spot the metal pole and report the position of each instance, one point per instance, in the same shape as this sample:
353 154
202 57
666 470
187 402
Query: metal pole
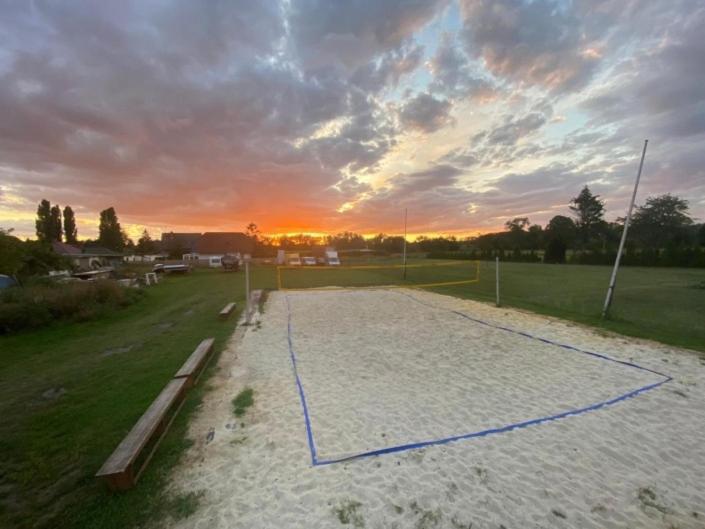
496 273
405 217
613 279
247 289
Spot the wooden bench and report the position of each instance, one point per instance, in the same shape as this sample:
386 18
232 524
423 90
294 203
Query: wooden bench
124 467
227 310
195 363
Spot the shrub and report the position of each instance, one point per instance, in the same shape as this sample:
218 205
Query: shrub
41 303
15 316
555 251
11 253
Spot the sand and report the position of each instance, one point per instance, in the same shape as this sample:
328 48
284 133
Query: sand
386 368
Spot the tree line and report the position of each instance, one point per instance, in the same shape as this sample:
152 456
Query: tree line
54 224
29 258
662 232
49 226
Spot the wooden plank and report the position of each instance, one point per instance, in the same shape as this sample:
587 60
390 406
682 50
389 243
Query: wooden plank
121 470
227 310
194 364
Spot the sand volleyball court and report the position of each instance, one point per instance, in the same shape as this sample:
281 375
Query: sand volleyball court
404 408
383 370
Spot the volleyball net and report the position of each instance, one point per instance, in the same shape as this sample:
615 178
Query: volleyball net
383 275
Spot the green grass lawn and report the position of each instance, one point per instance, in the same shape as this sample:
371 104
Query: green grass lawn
70 392
663 304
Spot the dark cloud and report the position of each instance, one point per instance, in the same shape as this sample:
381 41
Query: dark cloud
425 113
534 43
512 130
438 176
387 70
192 112
453 75
662 86
361 142
215 114
350 34
435 198
506 142
459 157
539 194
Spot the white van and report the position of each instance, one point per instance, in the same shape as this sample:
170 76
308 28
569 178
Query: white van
332 258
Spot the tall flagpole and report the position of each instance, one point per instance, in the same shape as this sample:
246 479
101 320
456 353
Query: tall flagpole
613 279
405 217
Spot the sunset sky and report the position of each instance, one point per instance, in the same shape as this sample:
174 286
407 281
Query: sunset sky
323 116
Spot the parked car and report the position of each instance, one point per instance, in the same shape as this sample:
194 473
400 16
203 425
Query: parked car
332 258
308 261
171 268
7 282
230 262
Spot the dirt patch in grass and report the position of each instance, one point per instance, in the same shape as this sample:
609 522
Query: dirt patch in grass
110 351
53 393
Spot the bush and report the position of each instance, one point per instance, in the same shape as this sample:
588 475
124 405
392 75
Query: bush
12 253
39 259
41 303
517 256
555 251
15 316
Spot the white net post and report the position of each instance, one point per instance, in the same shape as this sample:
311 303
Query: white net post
247 288
496 274
613 278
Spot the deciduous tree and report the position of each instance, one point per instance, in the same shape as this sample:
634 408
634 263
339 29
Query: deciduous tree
662 221
589 212
252 231
110 232
12 252
43 222
145 244
70 231
55 230
563 228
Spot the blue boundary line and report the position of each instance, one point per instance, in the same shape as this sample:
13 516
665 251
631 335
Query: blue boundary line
302 396
483 433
